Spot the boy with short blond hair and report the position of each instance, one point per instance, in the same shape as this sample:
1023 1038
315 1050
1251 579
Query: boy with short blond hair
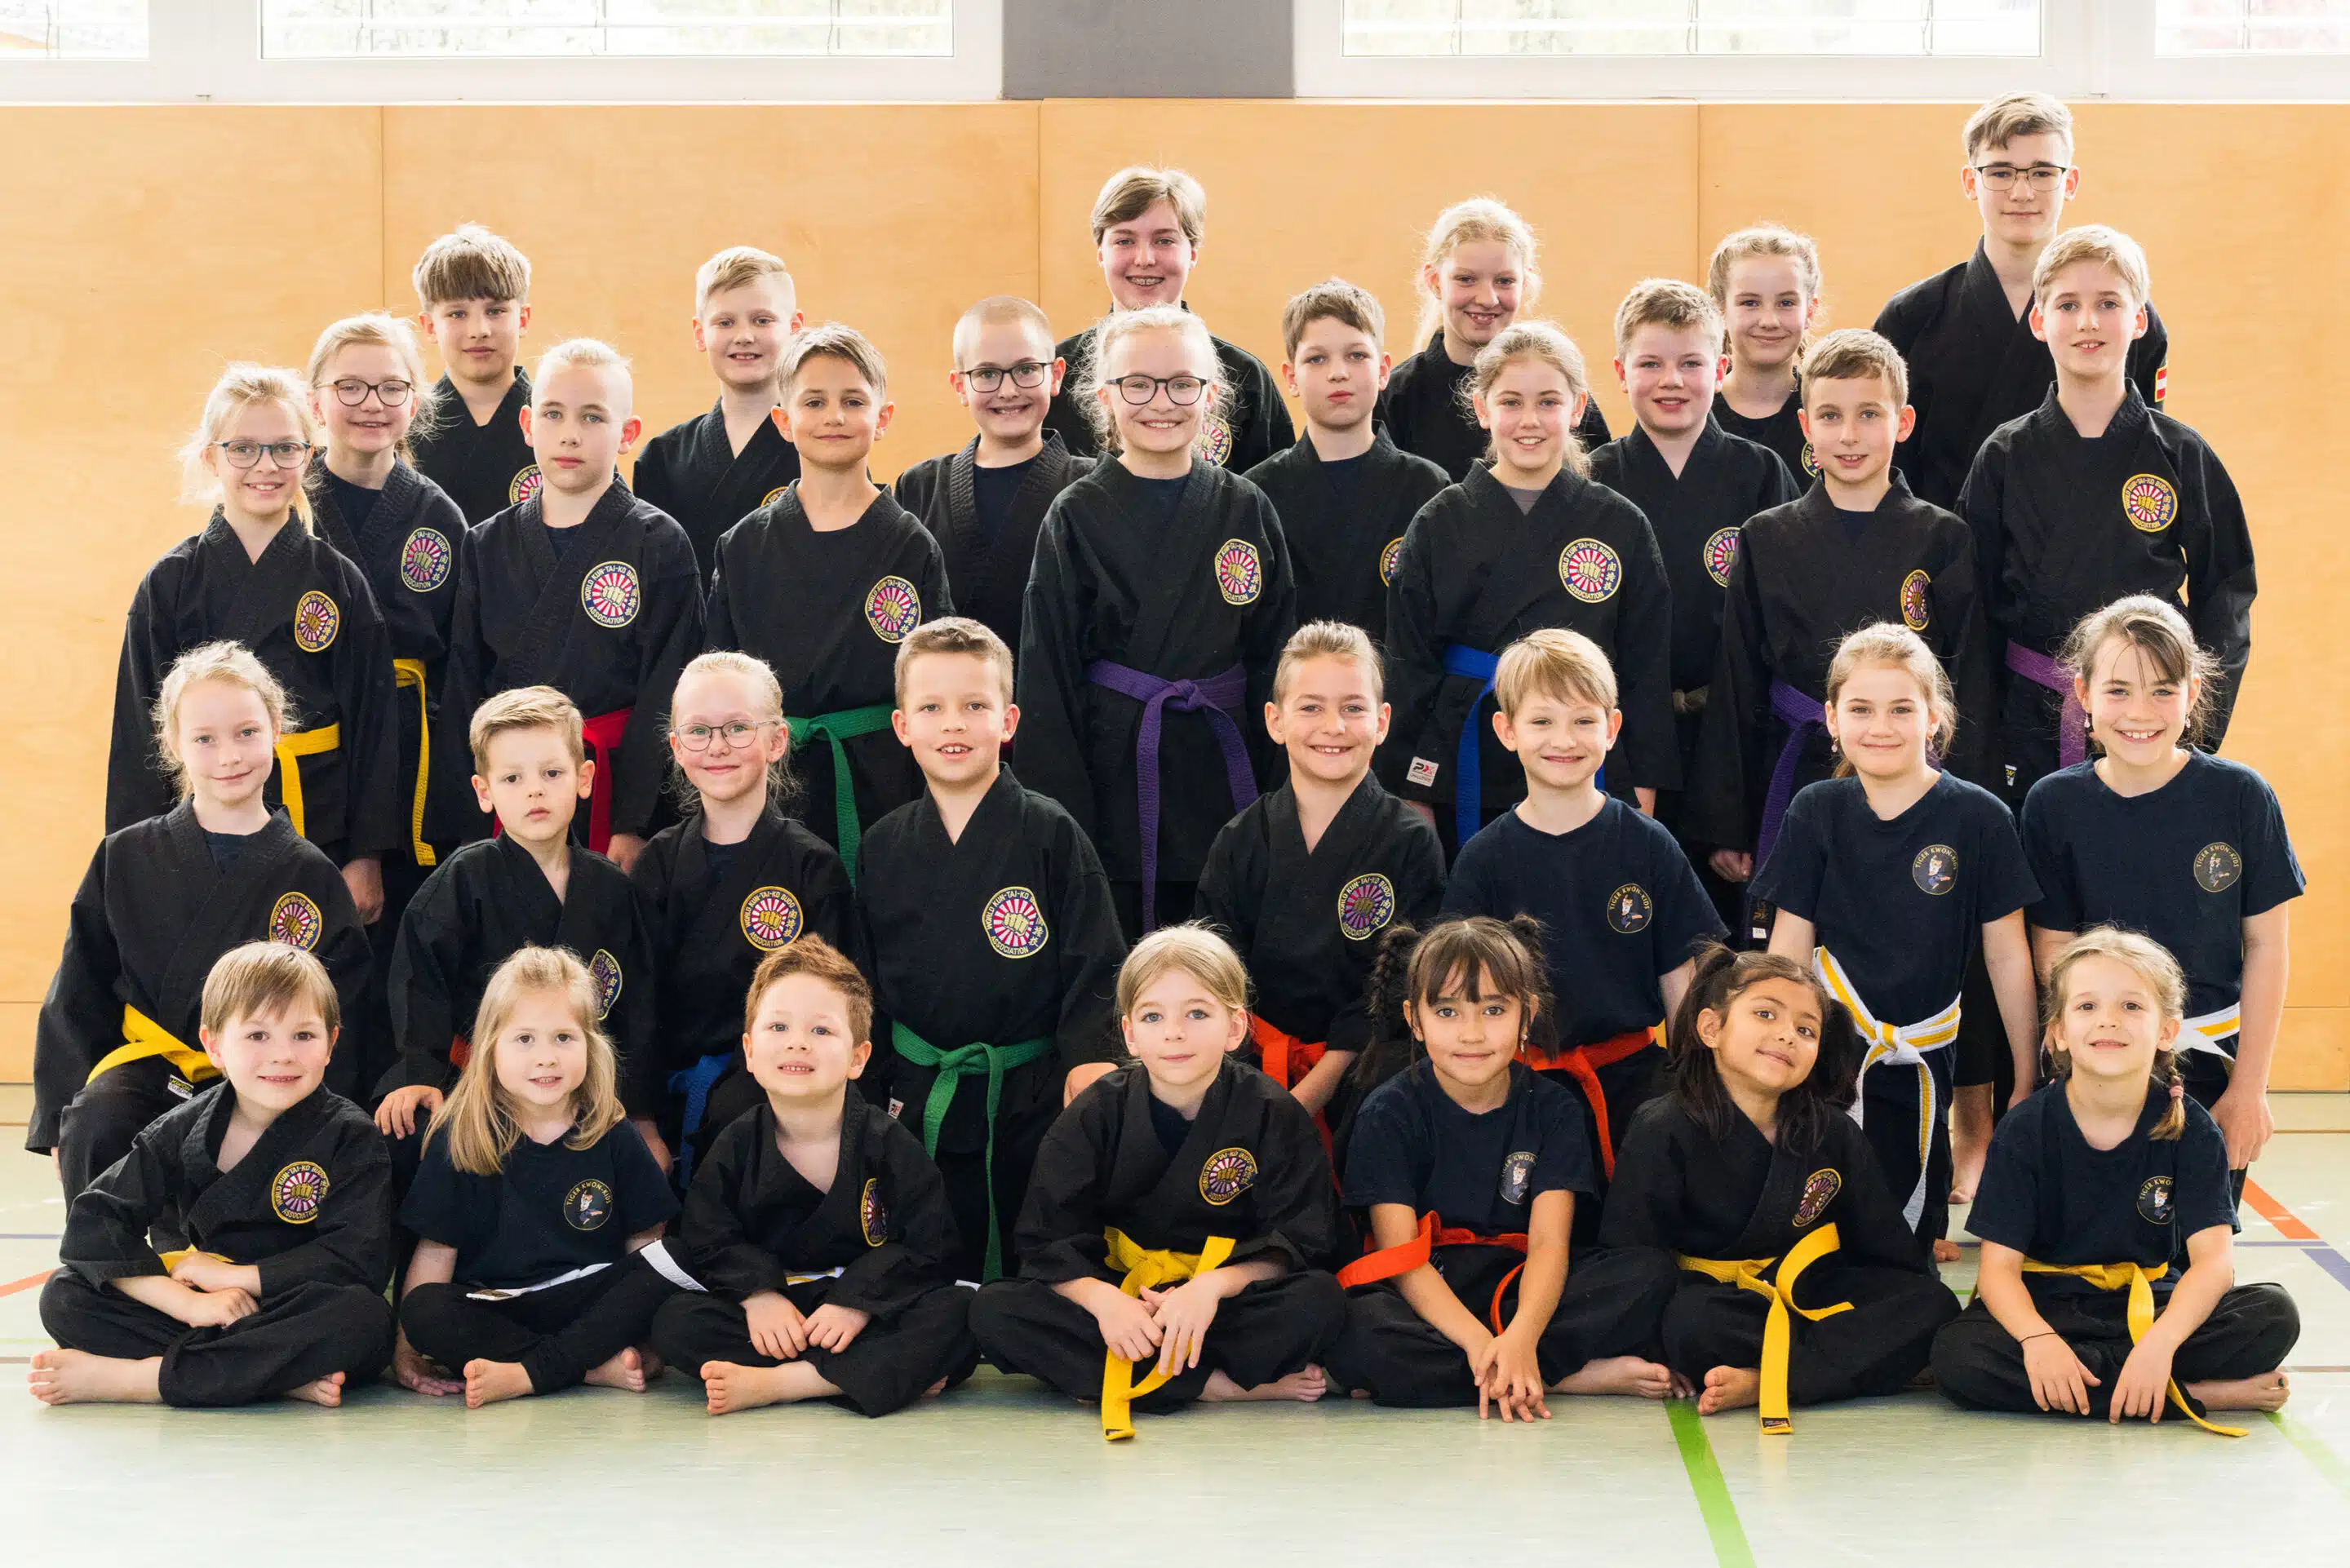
712 471
985 504
1346 492
472 294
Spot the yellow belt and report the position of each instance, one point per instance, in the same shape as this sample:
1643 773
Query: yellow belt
1778 1329
1147 1268
144 1037
172 1259
411 672
1896 1045
2139 1280
291 747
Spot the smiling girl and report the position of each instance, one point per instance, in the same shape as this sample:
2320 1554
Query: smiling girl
1766 281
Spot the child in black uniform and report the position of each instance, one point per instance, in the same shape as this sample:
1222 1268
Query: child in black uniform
1766 282
473 288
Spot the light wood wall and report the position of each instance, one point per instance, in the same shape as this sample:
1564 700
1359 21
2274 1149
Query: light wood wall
146 246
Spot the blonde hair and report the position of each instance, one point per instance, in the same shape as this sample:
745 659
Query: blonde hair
1192 948
952 634
2094 243
831 340
1135 190
525 707
2002 120
471 263
240 385
2156 627
1669 303
736 267
812 956
585 354
999 307
760 676
479 1118
1855 353
2152 963
1565 666
1116 328
1885 646
1764 240
1327 640
1467 222
266 977
1539 340
1332 299
229 664
376 328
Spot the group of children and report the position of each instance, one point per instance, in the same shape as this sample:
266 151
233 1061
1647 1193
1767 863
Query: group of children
1316 1010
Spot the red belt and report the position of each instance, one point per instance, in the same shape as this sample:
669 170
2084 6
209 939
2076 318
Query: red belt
603 735
1388 1261
461 1051
1583 1064
1286 1060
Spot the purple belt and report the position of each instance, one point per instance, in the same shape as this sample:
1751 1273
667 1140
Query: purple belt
1802 715
1219 697
2073 725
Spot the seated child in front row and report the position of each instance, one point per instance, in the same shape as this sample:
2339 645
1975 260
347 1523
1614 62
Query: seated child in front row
285 1192
533 1205
1470 1165
1181 1211
2096 1188
1749 1175
816 1234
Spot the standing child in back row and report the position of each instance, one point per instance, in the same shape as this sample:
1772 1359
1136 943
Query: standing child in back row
1766 282
472 290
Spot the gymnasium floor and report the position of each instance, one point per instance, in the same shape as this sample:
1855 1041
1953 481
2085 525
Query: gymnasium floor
1002 1473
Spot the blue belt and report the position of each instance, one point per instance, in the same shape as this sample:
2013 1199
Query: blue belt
1468 775
695 1083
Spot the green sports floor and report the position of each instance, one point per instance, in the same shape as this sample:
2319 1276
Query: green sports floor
1001 1472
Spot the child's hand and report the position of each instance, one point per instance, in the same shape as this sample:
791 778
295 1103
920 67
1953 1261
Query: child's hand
1127 1328
2143 1382
1733 865
777 1329
413 1370
650 1130
2245 1121
201 1272
1183 1313
405 1110
1513 1379
623 849
835 1328
2059 1381
364 878
212 1309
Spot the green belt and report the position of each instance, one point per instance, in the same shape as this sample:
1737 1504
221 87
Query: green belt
846 726
953 1067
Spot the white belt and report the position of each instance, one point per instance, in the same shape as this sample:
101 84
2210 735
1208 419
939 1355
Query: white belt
2205 1031
510 1294
1898 1045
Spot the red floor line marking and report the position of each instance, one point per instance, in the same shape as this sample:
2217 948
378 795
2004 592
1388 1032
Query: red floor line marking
26 1283
2287 1224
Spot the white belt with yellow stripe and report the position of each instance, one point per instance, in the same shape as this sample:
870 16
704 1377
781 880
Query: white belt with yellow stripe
1896 1045
2205 1029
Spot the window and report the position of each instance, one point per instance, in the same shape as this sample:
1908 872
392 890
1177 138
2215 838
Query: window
73 29
729 29
1554 28
2252 26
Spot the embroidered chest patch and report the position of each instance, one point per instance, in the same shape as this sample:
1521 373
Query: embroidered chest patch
1916 609
1720 554
1228 1173
1935 869
1389 559
1819 1192
611 594
771 918
774 496
316 622
1517 1175
1811 461
297 1192
1239 576
2217 866
2150 501
1015 922
1215 442
1629 909
605 971
872 1214
295 921
425 560
587 1205
1365 905
1589 570
892 608
2154 1200
525 485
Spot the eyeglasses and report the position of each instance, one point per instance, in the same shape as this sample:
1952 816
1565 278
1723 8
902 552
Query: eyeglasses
696 737
2003 176
350 391
987 377
247 453
1181 391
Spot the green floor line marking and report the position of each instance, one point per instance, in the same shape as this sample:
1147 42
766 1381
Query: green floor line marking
2315 1449
1730 1547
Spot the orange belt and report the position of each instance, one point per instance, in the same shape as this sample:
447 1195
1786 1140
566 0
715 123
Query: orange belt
1388 1261
603 735
1286 1060
461 1051
1583 1064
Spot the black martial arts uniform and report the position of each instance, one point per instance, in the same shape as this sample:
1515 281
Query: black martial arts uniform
2050 1196
994 962
1345 522
483 468
1780 431
543 1275
310 1205
1425 411
827 609
1127 599
692 471
986 521
878 1241
1475 1175
1253 424
155 911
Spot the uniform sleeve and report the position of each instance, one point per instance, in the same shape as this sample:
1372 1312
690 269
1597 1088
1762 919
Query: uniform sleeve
343 947
830 901
673 638
378 822
1218 900
2149 357
1091 950
1052 672
350 1243
106 1229
722 1256
451 814
1649 744
1296 1199
2220 583
1271 620
1779 485
2007 1200
1687 918
718 609
437 1207
1644 1195
81 1018
1724 804
1281 434
1420 891
1956 595
889 1278
1981 505
635 1019
2202 1193
2006 885
2272 871
136 785
1564 1164
644 1198
1414 655
2046 854
1059 1236
1791 878
427 962
938 597
651 480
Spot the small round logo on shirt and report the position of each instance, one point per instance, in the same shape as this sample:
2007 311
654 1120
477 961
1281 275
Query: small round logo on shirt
2217 866
1228 1173
1589 570
1720 554
1916 609
1015 922
425 559
1819 1192
892 608
297 1192
1936 870
525 485
1389 559
2154 1200
1629 908
1517 1175
774 496
1238 577
1215 442
295 921
1365 905
610 594
2148 501
605 971
316 621
1811 461
872 1214
587 1206
771 918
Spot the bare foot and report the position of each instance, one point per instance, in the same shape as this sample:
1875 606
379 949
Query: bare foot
1730 1388
77 1378
727 1388
1617 1375
935 1389
326 1391
1945 1249
624 1369
2266 1392
487 1382
1306 1386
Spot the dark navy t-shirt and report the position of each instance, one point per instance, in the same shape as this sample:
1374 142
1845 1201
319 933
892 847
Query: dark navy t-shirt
993 491
355 501
1413 1144
553 1210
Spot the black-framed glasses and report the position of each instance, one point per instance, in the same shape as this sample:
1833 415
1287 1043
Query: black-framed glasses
987 377
283 453
350 391
736 733
2003 176
1181 391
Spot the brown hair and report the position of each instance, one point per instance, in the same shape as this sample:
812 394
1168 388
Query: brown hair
471 263
812 956
1764 240
2152 963
1115 328
831 340
378 330
1552 662
1530 341
1193 949
242 385
952 634
736 267
1887 646
1467 222
264 976
1669 303
479 1118
1413 966
1720 977
1853 354
1332 299
2158 630
2002 120
525 708
1135 190
1327 640
229 664
2094 243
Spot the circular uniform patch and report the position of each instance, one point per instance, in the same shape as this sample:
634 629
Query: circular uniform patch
425 560
1936 870
1228 1173
1720 554
872 1214
295 921
610 594
297 1192
587 1206
771 918
1015 922
1819 1192
1215 442
1365 905
1239 577
2148 501
1915 611
525 485
1517 1175
316 621
1629 908
2217 866
605 971
774 496
1389 559
892 608
1811 461
2154 1200
1589 570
